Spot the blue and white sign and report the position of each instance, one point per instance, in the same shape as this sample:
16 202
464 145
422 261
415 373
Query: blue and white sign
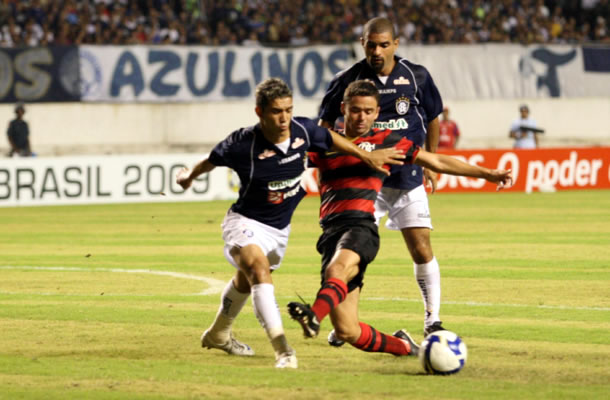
178 73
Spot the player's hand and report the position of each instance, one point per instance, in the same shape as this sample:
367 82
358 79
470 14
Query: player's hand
183 178
504 178
377 159
430 179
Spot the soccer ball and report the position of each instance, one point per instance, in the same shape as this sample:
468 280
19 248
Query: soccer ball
442 353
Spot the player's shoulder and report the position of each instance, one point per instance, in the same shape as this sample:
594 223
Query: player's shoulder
351 73
411 66
303 124
241 136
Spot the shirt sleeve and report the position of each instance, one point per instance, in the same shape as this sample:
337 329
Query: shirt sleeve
431 98
330 109
320 138
222 154
11 130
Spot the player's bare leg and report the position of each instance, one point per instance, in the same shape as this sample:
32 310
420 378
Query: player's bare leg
255 267
363 336
219 334
427 274
342 268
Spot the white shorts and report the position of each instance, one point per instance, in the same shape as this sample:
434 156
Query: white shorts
239 231
405 208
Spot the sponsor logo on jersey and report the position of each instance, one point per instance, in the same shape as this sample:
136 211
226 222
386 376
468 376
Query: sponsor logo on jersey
266 154
402 105
366 146
402 81
279 185
289 159
278 197
387 91
298 142
393 124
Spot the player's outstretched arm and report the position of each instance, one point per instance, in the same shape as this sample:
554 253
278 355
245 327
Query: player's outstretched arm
375 159
452 166
185 176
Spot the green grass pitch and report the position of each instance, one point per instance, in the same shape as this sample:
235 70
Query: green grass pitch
525 280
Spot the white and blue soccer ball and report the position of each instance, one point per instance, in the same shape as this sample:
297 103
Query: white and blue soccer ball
443 353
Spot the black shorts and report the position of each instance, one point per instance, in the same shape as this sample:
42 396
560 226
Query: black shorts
360 236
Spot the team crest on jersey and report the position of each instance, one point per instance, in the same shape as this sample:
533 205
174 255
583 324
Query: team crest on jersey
401 81
402 105
366 146
266 154
298 142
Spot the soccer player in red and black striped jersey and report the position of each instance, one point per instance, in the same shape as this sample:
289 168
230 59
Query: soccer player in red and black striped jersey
350 240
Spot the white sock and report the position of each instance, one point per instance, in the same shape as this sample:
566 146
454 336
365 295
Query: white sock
268 314
231 303
428 278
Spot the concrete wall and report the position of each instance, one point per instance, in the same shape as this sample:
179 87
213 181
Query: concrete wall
84 128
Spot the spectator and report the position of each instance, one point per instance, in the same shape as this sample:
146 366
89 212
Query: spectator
524 130
321 21
449 133
19 134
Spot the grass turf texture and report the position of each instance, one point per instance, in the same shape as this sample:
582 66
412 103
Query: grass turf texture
525 283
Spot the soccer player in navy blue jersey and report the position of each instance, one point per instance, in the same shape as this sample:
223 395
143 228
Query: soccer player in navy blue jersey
349 240
270 158
410 105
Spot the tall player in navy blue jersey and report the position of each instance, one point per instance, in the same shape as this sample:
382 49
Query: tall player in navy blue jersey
410 105
270 158
350 241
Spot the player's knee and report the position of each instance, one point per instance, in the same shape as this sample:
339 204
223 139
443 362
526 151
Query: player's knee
340 270
421 250
348 334
422 255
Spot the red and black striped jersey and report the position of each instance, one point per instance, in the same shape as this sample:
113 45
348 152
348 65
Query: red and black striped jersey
349 187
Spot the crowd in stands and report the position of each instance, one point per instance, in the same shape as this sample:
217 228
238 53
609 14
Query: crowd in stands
298 22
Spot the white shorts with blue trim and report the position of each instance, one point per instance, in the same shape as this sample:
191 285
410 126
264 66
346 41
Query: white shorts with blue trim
405 208
239 231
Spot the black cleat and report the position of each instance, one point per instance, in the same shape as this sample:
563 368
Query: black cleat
303 315
436 326
404 335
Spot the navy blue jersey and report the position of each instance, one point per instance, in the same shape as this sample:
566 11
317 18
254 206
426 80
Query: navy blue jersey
409 101
270 180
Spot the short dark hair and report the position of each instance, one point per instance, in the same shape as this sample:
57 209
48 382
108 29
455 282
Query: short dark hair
269 90
361 87
379 25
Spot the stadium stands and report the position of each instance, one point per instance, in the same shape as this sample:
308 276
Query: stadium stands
247 22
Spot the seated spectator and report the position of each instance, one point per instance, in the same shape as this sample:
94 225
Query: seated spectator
24 23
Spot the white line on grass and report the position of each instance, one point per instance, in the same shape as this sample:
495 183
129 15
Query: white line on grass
215 285
477 304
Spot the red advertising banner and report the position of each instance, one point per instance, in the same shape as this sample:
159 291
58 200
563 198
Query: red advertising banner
544 170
